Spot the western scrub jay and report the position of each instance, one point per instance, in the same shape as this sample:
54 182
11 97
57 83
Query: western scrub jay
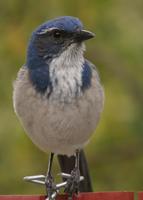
57 94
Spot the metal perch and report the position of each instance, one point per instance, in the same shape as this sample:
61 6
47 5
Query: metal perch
40 179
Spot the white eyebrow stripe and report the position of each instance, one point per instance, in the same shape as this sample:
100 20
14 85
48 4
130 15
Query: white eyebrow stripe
46 30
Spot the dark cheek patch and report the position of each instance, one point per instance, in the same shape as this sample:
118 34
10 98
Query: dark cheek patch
48 48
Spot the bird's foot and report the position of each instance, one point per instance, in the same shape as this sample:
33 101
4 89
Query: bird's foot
50 187
73 183
70 184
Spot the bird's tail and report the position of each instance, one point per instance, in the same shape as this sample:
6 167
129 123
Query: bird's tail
67 164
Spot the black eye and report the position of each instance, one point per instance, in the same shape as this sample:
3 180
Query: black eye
57 34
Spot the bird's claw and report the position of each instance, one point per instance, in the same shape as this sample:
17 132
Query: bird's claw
53 189
73 182
52 196
50 187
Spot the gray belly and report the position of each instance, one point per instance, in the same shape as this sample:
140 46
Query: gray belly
57 127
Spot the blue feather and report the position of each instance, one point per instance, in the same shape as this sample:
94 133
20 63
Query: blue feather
86 76
40 79
38 48
67 23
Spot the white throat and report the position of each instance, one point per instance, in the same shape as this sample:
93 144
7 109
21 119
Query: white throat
66 74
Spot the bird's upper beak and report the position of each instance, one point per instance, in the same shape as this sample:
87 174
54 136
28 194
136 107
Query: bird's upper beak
83 35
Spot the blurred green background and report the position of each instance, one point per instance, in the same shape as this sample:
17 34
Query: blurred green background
115 153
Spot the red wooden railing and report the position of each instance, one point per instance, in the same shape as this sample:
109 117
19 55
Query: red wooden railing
81 196
140 196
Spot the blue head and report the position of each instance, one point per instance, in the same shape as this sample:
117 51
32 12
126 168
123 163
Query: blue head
47 42
53 37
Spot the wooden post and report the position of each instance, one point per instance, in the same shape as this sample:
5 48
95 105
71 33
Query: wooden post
140 196
81 196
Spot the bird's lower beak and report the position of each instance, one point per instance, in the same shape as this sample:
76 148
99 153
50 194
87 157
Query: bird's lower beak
84 35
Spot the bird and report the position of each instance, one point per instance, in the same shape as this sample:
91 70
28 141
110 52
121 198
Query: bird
58 96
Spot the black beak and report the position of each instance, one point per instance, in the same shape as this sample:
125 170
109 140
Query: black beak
84 35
